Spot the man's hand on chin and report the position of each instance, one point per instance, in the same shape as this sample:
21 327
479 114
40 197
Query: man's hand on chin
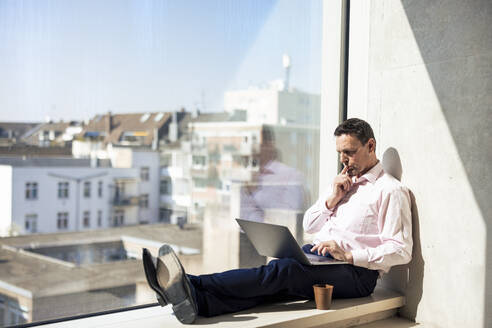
334 250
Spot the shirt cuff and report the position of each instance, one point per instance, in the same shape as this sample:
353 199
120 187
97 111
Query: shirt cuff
326 210
360 258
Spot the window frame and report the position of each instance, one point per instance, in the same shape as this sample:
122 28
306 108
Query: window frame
99 218
86 219
144 173
87 189
31 190
32 220
100 186
144 201
62 221
63 190
165 182
118 218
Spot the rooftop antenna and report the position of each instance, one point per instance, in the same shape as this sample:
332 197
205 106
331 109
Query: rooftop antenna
287 64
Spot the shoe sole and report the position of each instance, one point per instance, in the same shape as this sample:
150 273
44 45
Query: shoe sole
150 275
176 285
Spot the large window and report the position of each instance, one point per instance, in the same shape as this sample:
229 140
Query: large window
214 116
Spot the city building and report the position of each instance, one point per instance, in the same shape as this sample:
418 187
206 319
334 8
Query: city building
216 150
46 195
52 134
11 132
136 130
33 151
176 161
275 104
228 153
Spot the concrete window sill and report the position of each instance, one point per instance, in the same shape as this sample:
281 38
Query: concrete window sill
344 313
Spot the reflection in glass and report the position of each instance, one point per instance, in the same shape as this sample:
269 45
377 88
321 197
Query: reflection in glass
178 143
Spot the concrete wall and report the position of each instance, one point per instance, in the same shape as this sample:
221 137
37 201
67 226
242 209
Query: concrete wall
420 73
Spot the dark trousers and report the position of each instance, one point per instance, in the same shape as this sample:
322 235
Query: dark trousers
281 279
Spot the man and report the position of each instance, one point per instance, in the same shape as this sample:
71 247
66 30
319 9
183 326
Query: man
275 186
364 219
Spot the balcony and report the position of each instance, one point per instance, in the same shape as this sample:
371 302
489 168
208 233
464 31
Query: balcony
124 201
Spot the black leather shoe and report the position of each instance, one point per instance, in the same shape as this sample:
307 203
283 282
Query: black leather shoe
151 276
170 283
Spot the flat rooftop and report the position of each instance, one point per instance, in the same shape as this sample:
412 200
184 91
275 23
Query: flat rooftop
35 275
50 162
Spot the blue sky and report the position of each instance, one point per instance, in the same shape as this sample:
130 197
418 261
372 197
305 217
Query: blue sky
73 59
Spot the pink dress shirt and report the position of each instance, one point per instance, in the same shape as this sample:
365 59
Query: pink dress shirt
373 221
277 187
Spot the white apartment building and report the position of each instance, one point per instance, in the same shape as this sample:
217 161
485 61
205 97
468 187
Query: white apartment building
275 105
146 163
44 195
175 183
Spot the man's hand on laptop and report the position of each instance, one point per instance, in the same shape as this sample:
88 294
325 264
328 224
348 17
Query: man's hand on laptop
341 185
332 247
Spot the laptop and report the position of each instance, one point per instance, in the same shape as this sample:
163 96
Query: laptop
277 241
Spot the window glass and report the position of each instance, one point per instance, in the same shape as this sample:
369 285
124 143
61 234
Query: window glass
100 189
144 201
165 187
144 173
99 218
214 116
31 190
62 220
31 225
62 189
87 189
87 219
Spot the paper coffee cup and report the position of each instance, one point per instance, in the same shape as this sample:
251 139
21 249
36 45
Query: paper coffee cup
322 296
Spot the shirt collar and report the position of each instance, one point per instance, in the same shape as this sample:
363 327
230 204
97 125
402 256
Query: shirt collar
372 174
